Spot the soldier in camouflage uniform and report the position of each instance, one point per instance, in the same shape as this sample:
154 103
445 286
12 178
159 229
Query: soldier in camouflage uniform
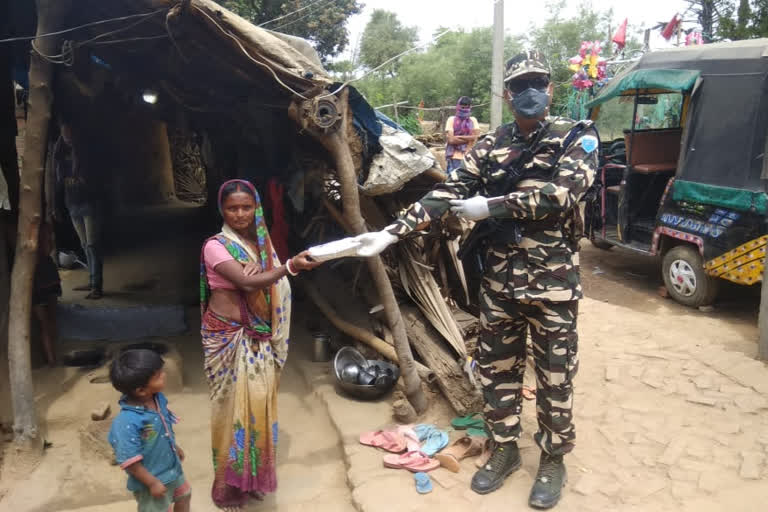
531 278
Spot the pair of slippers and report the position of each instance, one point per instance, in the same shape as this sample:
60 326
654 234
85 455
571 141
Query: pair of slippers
419 443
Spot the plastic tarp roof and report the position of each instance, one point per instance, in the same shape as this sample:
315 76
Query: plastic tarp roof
667 79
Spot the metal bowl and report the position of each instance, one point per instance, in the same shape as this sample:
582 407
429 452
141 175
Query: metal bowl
386 375
350 373
345 357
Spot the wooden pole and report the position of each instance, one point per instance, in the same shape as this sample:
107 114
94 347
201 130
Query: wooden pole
394 105
337 145
762 345
497 64
28 443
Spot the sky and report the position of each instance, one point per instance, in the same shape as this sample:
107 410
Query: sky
519 15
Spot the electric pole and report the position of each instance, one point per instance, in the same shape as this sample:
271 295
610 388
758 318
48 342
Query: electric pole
497 63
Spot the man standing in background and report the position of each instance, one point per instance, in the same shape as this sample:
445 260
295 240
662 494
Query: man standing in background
461 133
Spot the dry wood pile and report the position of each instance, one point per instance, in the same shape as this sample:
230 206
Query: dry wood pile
430 284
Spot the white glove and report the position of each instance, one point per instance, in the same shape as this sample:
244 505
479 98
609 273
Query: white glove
372 244
475 208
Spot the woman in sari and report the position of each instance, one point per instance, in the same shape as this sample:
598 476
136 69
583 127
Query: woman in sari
246 314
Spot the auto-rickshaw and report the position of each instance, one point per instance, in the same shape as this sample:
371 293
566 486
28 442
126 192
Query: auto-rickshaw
684 136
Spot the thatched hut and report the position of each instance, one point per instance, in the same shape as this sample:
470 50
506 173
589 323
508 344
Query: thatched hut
144 78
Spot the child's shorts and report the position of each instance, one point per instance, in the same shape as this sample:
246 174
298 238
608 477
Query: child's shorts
176 490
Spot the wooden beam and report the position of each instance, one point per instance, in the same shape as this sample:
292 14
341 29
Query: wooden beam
28 442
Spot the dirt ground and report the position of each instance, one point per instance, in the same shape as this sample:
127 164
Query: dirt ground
671 414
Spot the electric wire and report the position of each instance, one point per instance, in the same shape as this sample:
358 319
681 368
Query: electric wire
388 61
305 16
86 25
240 44
292 12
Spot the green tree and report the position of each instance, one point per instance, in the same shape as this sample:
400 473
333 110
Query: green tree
458 64
321 22
560 39
749 20
383 38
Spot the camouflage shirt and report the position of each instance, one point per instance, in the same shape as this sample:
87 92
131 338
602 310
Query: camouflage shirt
545 204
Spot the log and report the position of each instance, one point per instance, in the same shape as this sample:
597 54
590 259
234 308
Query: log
338 146
28 442
360 334
450 377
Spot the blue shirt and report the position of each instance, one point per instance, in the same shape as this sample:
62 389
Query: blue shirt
139 434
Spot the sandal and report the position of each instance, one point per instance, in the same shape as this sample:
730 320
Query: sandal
390 441
415 462
474 420
462 448
482 460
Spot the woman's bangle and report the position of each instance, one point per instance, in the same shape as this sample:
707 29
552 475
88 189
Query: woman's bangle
288 267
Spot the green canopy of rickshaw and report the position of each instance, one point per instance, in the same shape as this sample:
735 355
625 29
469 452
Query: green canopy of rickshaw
665 79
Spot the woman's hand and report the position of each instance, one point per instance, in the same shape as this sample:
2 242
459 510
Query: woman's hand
251 269
303 261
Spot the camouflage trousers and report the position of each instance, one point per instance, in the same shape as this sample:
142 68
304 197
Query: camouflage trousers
501 358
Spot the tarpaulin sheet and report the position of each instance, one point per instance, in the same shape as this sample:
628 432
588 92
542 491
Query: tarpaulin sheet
725 197
401 159
666 79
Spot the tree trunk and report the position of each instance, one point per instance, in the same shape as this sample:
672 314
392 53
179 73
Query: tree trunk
28 441
337 145
449 375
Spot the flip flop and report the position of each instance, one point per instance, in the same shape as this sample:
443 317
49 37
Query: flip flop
477 432
482 460
390 441
461 448
415 462
468 421
412 442
433 439
423 483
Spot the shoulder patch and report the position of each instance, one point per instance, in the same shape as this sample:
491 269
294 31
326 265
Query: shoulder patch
589 143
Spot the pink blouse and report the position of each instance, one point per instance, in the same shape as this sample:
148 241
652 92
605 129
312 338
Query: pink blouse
214 254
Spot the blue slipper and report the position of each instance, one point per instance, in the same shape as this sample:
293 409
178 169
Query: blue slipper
423 483
433 438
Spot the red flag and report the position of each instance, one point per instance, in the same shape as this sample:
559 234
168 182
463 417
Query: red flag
669 30
621 35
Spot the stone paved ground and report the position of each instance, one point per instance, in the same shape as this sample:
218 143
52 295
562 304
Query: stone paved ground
671 413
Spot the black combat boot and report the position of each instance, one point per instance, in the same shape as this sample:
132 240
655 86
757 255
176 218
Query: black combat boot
504 461
550 481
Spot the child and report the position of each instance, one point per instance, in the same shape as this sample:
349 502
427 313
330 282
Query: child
142 435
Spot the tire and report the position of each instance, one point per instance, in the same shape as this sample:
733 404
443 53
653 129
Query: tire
602 244
685 279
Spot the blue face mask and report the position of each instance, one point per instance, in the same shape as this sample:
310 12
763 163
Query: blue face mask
531 103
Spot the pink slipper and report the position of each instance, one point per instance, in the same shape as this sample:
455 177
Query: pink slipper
412 443
390 441
414 462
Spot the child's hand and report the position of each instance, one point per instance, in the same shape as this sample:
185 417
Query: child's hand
157 489
180 452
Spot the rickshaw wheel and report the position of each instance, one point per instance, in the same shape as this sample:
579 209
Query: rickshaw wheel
685 279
